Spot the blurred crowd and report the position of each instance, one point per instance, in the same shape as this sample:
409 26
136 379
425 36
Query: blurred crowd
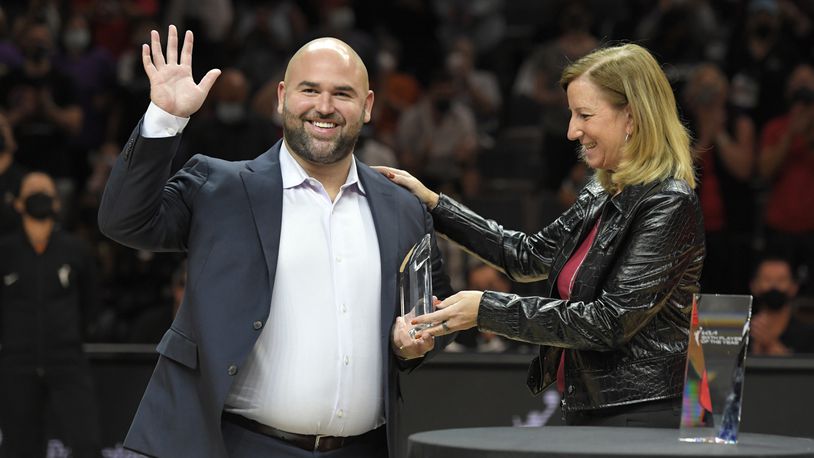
467 99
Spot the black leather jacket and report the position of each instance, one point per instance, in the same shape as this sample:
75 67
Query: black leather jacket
626 325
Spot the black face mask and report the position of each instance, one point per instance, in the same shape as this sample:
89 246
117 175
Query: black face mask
773 299
40 206
37 53
443 105
763 31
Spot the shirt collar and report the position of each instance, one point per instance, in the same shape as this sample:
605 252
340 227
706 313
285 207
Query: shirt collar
294 175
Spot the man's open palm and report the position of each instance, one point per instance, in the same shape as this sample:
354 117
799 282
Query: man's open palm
171 85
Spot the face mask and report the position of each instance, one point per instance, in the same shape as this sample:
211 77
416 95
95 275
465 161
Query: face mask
443 105
773 299
37 53
763 31
803 96
76 39
40 206
706 95
230 113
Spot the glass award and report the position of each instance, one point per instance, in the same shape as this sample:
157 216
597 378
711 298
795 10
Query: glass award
415 283
713 378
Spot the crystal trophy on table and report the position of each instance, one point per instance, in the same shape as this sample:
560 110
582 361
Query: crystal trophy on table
415 283
713 379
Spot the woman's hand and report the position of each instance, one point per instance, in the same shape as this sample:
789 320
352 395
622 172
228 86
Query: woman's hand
455 313
404 179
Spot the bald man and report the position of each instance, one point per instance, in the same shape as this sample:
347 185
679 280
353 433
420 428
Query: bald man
287 342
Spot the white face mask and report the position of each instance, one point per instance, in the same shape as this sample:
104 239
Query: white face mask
229 112
76 39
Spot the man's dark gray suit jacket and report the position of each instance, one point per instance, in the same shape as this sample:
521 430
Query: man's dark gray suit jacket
226 216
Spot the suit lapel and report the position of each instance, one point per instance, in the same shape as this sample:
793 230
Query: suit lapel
385 218
263 183
264 186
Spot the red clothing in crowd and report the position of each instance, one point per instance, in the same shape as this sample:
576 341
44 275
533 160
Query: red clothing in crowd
791 204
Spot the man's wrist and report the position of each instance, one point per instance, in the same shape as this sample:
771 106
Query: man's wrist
158 123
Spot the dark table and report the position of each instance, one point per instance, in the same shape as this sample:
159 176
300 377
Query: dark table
588 441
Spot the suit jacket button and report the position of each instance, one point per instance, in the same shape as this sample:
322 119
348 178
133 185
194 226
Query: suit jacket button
232 370
257 325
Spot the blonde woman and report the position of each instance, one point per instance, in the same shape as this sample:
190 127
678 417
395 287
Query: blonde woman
620 266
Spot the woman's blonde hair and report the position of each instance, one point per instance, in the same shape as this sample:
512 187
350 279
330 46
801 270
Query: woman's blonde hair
659 145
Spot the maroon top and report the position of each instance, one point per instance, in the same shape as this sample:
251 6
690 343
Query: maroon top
565 282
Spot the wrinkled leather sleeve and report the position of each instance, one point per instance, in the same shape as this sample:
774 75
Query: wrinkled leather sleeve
522 257
657 265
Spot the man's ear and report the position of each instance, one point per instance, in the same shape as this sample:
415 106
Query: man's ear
280 96
369 105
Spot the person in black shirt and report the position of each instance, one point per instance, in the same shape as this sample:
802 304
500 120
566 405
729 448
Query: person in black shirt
47 285
41 105
774 329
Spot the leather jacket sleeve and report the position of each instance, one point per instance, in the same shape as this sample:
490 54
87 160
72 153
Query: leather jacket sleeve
522 257
652 263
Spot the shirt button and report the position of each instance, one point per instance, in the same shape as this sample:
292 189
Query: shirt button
232 370
344 308
347 360
338 259
340 414
257 325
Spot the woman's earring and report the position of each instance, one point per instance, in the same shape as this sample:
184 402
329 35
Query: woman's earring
627 136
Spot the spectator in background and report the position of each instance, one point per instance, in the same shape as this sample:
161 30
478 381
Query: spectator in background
759 59
113 21
233 132
395 23
11 177
42 107
265 34
774 330
396 91
48 296
476 88
436 138
93 71
10 56
724 148
212 21
133 87
786 163
681 33
482 21
539 101
337 18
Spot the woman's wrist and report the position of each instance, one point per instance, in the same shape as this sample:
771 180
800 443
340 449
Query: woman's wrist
431 200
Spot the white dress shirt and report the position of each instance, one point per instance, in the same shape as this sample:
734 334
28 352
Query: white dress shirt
316 367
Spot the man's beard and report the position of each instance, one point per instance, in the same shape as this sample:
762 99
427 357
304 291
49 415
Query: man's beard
307 147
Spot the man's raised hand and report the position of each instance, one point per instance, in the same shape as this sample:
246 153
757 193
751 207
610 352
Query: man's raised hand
171 85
